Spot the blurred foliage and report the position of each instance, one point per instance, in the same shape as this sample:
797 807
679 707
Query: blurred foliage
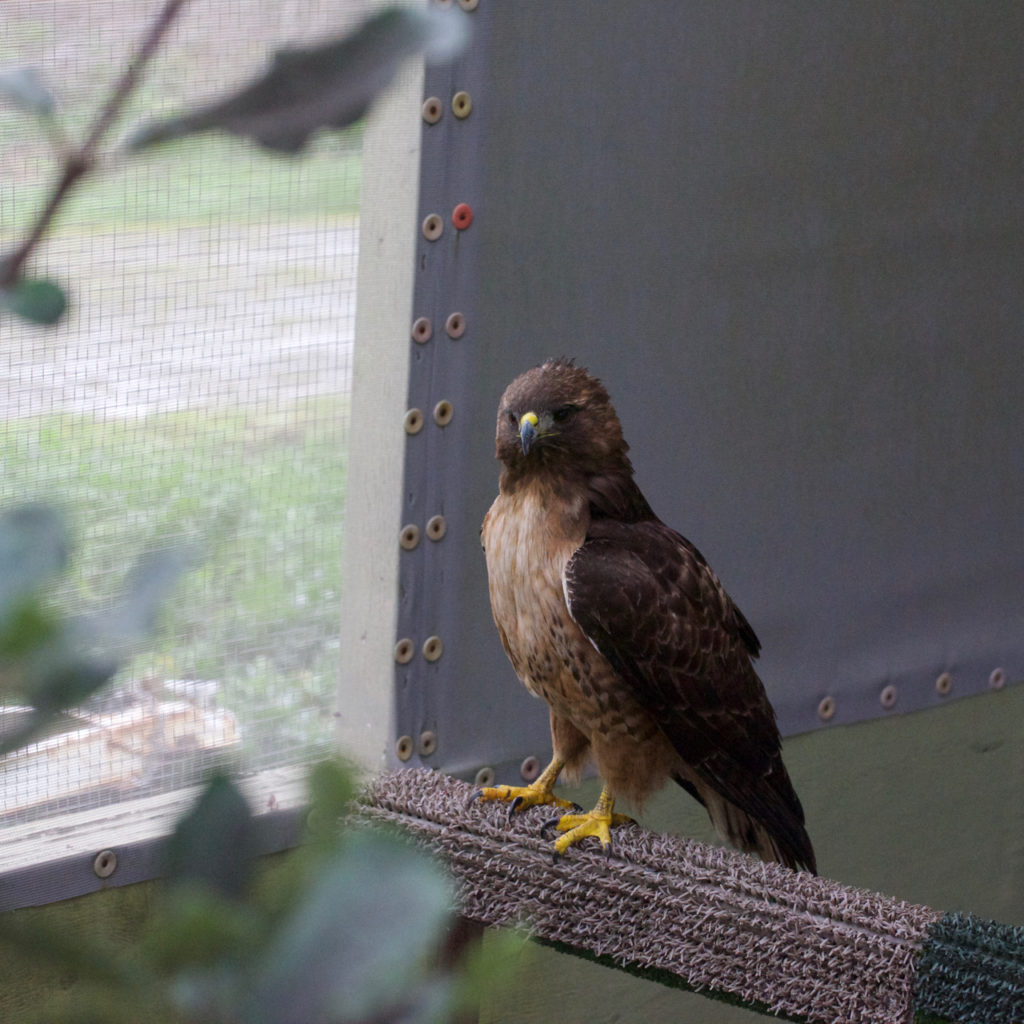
355 934
327 86
304 92
51 661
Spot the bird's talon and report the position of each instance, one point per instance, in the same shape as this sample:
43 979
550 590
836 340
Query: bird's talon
515 805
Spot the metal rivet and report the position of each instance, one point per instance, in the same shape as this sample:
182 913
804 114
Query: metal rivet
428 743
413 421
469 5
105 864
455 325
997 680
422 329
433 227
944 684
436 527
484 777
462 216
432 648
432 110
530 769
887 698
410 536
826 708
443 413
462 104
404 651
403 748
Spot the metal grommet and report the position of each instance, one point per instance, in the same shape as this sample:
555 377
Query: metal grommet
443 413
403 748
887 698
997 679
410 536
944 684
432 648
826 708
469 5
436 527
433 227
455 326
422 330
484 777
530 769
105 863
462 216
428 743
462 104
432 110
413 421
404 651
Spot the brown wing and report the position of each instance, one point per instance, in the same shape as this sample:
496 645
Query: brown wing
649 602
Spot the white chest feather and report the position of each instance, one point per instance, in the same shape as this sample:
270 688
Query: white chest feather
528 541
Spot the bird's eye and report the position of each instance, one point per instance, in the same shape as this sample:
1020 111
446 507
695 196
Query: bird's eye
513 419
564 413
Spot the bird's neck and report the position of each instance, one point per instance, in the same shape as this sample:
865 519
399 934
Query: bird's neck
608 490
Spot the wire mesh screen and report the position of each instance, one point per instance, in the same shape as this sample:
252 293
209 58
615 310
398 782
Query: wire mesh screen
196 392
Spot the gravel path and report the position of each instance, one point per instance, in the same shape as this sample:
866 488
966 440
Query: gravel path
167 320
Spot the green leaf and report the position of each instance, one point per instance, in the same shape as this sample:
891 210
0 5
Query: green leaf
331 789
213 845
40 302
34 547
200 928
55 663
59 677
146 587
25 88
355 945
326 86
27 627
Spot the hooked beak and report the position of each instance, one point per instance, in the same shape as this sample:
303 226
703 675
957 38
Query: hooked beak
528 431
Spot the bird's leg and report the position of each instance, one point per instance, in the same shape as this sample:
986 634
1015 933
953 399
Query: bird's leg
598 823
540 791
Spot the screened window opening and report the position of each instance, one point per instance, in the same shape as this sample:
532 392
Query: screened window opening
196 393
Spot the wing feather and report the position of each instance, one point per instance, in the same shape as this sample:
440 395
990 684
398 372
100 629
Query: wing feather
648 601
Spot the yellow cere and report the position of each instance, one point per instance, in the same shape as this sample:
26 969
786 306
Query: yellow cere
531 418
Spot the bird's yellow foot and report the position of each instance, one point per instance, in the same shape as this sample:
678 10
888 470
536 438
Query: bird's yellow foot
597 823
520 798
539 792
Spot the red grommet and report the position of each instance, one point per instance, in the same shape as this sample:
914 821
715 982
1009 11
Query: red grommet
462 216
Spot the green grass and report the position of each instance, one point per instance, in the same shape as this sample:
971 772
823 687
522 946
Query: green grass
258 494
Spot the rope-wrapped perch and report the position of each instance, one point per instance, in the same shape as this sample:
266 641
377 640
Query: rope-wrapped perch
798 946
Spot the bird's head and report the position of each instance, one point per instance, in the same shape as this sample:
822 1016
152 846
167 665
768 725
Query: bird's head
557 415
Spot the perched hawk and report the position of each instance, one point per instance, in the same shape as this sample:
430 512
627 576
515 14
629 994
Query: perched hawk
621 626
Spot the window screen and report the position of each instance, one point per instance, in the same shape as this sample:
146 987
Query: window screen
196 392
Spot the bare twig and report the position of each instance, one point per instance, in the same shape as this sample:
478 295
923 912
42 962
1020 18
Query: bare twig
79 162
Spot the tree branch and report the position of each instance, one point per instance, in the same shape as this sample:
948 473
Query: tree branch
79 162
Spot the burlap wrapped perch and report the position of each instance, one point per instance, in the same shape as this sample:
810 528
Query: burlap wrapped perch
793 944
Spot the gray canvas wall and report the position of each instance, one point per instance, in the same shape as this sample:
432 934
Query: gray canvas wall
790 239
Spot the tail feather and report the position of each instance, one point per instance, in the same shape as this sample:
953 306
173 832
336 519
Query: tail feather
784 840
